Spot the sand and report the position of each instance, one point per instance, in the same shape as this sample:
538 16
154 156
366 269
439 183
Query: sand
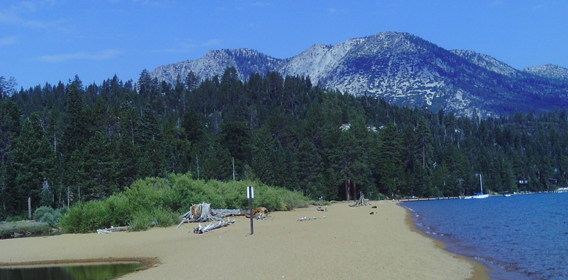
342 243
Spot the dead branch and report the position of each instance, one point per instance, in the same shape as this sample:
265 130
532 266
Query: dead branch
361 201
214 225
202 212
309 218
112 229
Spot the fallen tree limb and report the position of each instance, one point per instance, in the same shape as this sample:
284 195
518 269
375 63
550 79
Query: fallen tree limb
361 201
259 213
309 218
202 212
112 229
214 225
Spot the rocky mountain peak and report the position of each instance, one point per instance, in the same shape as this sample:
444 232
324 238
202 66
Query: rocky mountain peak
401 68
549 71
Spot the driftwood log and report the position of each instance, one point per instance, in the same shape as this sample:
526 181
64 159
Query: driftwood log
112 229
309 218
361 201
202 212
211 226
259 213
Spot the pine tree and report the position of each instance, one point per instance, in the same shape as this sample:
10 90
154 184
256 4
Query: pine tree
193 128
390 161
34 164
309 168
76 133
235 136
177 149
9 131
98 181
264 151
218 163
126 151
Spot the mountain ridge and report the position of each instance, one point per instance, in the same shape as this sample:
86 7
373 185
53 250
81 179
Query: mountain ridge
403 69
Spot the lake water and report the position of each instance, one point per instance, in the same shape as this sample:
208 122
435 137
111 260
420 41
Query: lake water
73 272
518 237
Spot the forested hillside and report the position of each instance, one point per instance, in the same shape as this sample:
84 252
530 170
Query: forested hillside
94 140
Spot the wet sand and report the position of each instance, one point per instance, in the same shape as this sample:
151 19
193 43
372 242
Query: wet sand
341 243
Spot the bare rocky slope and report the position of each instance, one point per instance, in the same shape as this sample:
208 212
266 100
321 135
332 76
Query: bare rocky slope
403 69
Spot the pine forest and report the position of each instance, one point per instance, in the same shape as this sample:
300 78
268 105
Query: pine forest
79 142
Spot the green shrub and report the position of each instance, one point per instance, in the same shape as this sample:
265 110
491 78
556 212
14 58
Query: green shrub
149 193
39 212
47 215
71 222
164 217
86 217
96 215
120 209
15 218
143 219
162 200
49 219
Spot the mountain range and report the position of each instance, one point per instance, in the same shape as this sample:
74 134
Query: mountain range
404 70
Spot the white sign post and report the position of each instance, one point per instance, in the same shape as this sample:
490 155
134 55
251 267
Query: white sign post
250 196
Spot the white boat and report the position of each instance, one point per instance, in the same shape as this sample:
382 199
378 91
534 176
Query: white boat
480 194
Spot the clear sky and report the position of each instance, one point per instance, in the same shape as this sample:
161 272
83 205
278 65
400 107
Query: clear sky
54 40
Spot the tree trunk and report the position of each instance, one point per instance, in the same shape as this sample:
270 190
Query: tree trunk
423 157
29 207
354 189
346 190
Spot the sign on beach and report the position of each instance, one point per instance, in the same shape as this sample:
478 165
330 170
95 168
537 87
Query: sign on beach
250 196
250 192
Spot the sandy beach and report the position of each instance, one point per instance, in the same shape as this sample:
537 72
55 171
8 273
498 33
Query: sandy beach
341 243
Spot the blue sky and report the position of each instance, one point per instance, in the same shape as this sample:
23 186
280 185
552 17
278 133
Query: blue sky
53 40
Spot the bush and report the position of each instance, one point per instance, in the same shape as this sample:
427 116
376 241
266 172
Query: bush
15 218
39 212
47 215
87 217
163 200
142 220
150 193
120 209
71 222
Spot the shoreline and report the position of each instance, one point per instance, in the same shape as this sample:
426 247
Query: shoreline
480 271
343 242
146 262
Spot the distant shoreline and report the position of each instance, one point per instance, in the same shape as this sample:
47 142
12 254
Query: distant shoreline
492 194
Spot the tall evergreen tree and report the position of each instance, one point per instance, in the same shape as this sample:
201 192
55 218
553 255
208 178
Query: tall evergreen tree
218 162
236 137
390 162
264 151
9 131
34 161
309 169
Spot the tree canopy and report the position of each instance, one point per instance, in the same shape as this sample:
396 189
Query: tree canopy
91 141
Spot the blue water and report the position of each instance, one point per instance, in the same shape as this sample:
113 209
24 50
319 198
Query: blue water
517 237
